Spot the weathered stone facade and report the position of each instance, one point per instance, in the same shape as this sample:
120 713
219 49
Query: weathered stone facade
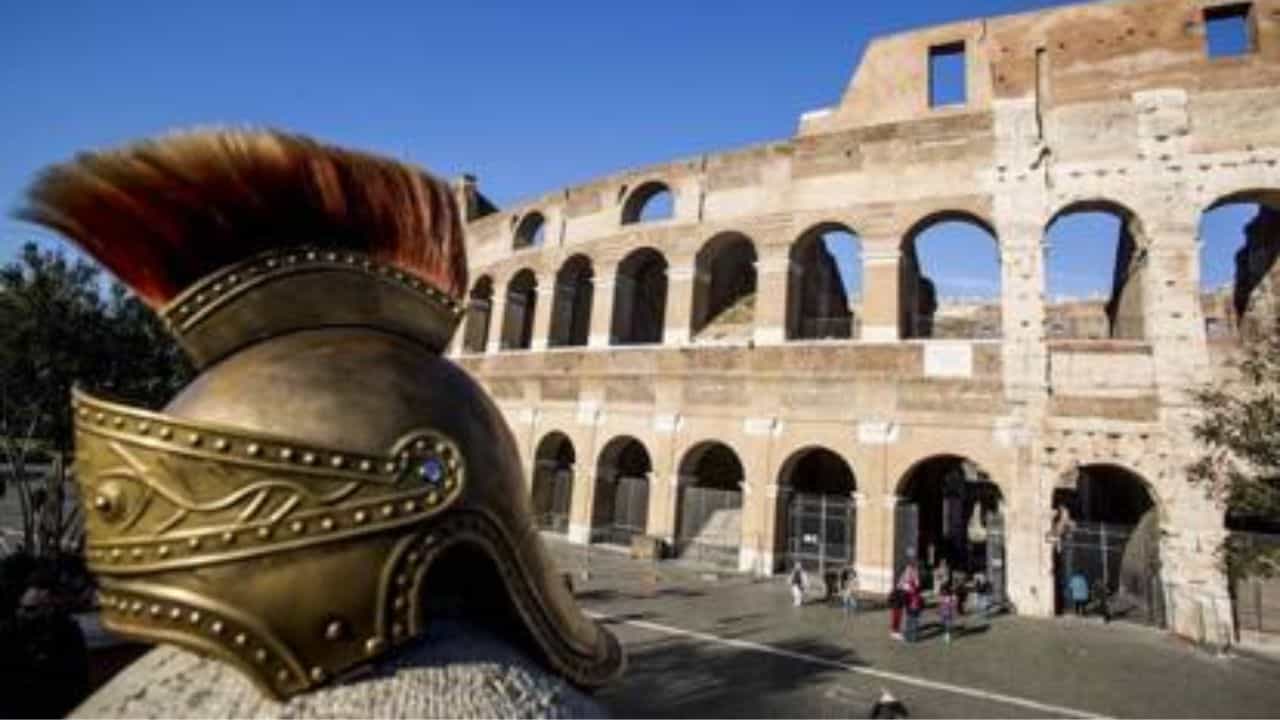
1111 103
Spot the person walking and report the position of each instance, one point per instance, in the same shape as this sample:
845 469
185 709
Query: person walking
799 583
898 598
1078 591
915 606
848 598
947 609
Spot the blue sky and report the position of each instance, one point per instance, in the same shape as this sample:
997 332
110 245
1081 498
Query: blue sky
530 97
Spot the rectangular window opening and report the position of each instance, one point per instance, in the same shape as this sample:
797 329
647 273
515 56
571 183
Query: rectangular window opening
1228 30
947 75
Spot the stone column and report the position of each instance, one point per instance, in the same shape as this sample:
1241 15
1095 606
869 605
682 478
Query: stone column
773 271
663 484
602 310
880 288
580 508
1022 305
497 318
679 312
542 312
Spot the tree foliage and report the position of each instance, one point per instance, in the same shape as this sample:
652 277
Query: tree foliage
1239 430
58 328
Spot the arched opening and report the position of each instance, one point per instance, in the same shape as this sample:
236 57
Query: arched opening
816 511
479 308
824 286
949 279
724 288
622 492
950 520
1239 276
517 321
530 231
553 482
1094 264
1106 528
571 308
709 506
647 203
639 298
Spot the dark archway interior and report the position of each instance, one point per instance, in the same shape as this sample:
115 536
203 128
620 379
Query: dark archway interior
712 465
725 283
553 482
1106 494
710 501
639 298
479 309
522 298
817 303
955 501
621 507
571 311
816 512
463 592
819 471
531 231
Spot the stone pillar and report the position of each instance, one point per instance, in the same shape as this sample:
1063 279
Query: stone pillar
602 310
542 312
679 313
497 319
773 271
582 504
876 499
880 289
1022 304
759 494
663 484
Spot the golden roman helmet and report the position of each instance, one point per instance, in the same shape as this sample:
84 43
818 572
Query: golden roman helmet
328 483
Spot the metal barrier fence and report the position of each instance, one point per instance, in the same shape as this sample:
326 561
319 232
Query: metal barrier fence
821 532
710 530
1256 600
624 513
1125 564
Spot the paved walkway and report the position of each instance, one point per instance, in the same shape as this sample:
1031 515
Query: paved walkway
734 647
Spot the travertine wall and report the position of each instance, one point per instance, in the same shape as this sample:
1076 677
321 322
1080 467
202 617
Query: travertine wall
1112 103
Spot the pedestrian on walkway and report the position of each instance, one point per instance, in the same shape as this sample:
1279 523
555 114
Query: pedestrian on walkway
1078 591
898 598
799 583
915 606
848 598
947 609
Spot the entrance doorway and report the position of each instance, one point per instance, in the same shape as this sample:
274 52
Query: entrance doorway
622 492
818 527
553 483
709 506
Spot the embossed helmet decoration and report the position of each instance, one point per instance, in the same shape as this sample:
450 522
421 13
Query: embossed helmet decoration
286 510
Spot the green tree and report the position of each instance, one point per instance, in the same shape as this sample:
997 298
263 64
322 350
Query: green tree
1240 467
56 330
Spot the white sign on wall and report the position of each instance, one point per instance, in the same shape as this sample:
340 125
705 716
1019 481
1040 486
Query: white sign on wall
948 360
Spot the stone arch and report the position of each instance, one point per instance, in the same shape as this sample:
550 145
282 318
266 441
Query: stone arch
816 510
1079 304
479 312
521 302
724 288
709 504
1239 276
531 231
950 511
962 297
621 506
1106 527
639 298
552 486
649 202
571 303
818 298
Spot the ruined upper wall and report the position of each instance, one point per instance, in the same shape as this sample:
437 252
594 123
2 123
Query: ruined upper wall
1092 53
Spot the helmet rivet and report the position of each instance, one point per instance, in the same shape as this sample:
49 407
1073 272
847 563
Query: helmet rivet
335 630
286 454
100 417
216 627
166 433
253 449
317 674
260 655
241 639
136 607
116 553
361 516
264 532
309 458
326 524
397 630
337 461
194 617
136 553
388 510
297 526
144 427
374 645
282 676
163 551
228 537
413 557
154 610
194 438
220 444
432 498
366 466
399 602
175 613
410 506
193 543
389 466
103 503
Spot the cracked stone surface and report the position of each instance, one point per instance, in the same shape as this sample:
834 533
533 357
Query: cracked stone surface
459 673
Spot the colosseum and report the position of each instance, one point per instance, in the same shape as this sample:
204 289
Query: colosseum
686 370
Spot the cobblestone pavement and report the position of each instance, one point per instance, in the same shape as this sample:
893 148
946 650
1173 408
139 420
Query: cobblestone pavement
730 646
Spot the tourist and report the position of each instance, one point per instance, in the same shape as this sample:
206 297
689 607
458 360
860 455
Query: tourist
1078 591
946 609
981 596
941 576
898 598
848 598
799 583
915 606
